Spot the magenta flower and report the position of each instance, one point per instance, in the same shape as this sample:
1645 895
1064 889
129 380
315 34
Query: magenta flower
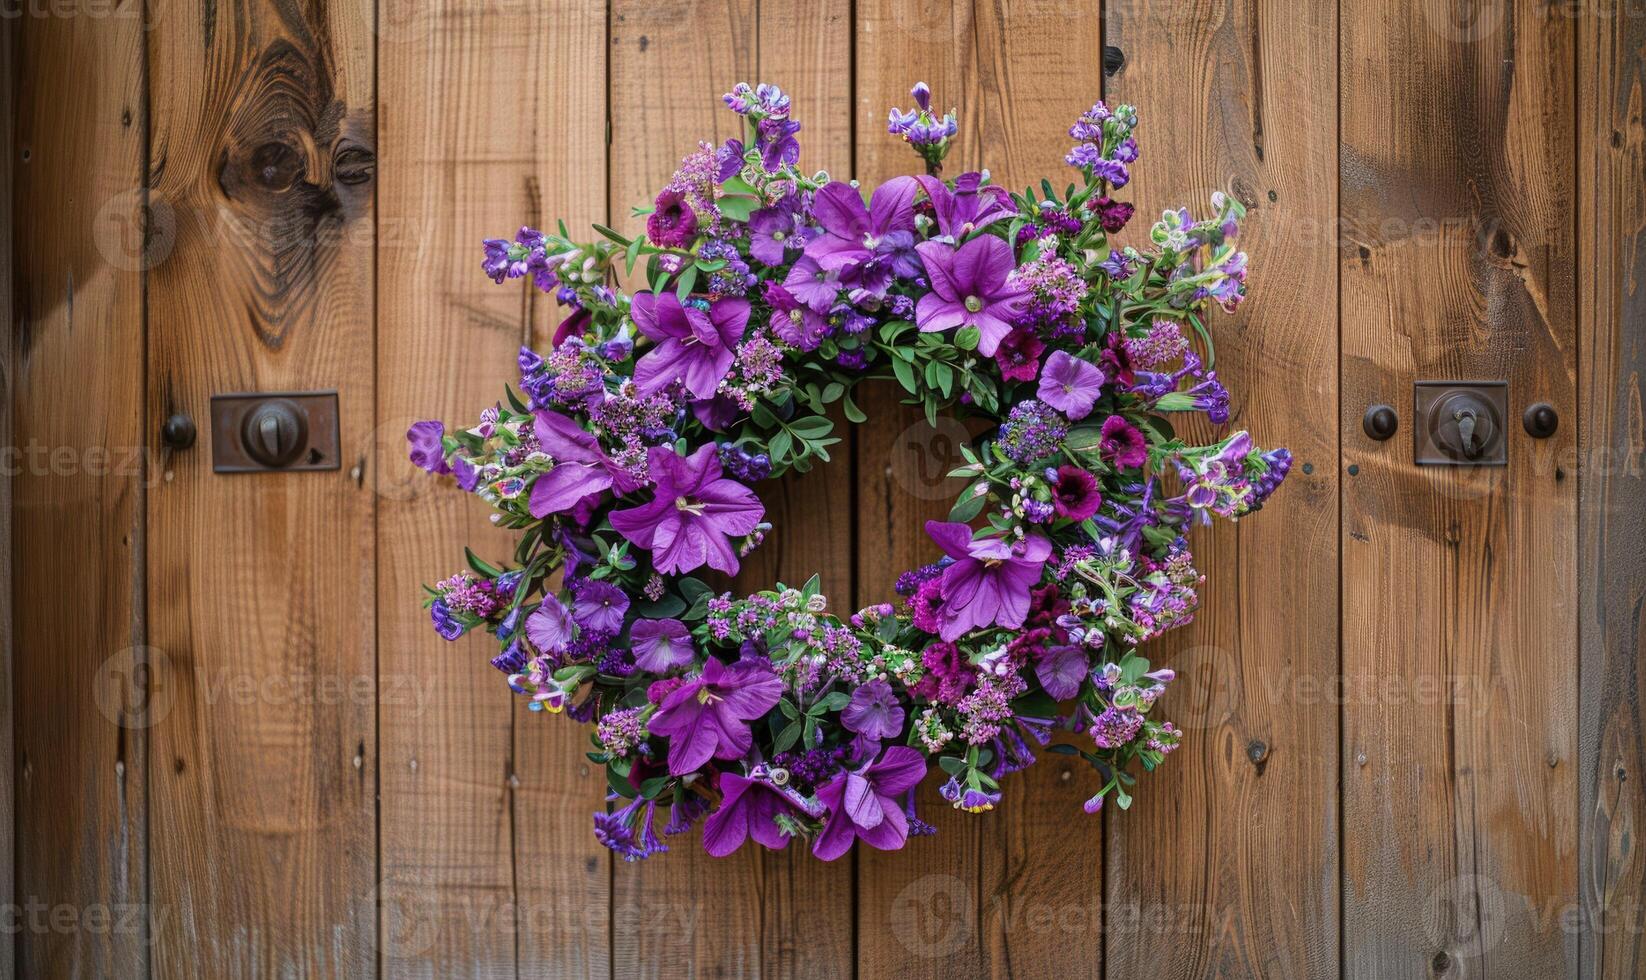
748 808
853 232
873 711
694 346
1074 494
428 451
1070 384
693 513
581 467
660 644
708 716
990 580
969 206
1121 444
1019 355
971 287
673 223
794 323
863 805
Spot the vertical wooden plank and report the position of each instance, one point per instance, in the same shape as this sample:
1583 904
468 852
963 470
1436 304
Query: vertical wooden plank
8 379
1460 720
77 327
493 115
1612 497
562 874
264 774
670 63
1242 98
978 896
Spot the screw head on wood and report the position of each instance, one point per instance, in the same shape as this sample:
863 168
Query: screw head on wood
177 432
1541 420
1380 422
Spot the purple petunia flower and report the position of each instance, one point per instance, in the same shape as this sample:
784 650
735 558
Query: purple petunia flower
660 644
1061 670
853 232
795 323
864 806
990 580
1122 445
1070 384
550 626
748 808
599 606
812 284
673 223
581 467
694 346
969 206
971 287
772 234
693 513
428 451
873 711
708 716
1019 355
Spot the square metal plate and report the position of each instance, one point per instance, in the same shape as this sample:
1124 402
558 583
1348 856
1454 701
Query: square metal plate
1434 426
318 410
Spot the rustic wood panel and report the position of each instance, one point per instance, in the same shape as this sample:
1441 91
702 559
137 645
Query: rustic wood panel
492 115
77 326
1612 510
562 874
263 802
8 377
1247 886
978 896
1460 720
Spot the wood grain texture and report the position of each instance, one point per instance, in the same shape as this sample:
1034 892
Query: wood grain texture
1240 97
1612 509
492 115
263 803
1460 591
978 896
77 326
8 800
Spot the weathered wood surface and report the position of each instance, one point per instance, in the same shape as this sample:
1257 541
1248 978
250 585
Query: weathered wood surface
1246 884
261 587
1435 782
1459 585
8 807
1611 468
77 324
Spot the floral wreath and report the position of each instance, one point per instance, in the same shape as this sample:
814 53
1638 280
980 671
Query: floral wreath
627 455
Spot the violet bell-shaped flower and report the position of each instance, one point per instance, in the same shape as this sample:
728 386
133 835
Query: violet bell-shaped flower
990 580
854 233
696 344
581 467
708 716
972 286
692 514
971 205
863 805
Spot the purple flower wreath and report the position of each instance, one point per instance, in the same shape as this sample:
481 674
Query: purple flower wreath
625 460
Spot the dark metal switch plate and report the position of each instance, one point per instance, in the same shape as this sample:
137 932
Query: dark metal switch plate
1461 423
274 431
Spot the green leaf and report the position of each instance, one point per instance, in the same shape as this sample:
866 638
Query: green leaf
967 507
968 338
688 279
952 765
780 445
905 375
609 233
786 738
853 413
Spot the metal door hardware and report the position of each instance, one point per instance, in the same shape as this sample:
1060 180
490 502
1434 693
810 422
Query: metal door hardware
178 432
256 432
1380 422
1541 420
1460 423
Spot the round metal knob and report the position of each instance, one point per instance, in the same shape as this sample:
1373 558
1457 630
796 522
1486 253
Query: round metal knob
1380 422
274 432
1541 420
177 432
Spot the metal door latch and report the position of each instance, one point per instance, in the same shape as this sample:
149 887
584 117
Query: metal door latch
256 432
1460 423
